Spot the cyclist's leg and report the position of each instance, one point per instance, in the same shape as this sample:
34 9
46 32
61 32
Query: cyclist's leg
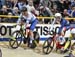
32 27
63 31
66 35
32 35
26 39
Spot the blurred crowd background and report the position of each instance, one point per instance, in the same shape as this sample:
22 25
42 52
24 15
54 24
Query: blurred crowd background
44 8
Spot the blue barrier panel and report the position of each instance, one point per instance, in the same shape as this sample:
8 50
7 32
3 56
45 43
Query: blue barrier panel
7 39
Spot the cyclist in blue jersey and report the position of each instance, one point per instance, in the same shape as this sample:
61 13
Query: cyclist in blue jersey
64 24
29 18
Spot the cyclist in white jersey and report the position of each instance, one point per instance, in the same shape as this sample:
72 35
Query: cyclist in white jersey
29 18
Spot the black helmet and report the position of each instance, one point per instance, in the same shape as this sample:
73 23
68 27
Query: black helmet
24 9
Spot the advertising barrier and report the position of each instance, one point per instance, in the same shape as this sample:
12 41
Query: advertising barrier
42 29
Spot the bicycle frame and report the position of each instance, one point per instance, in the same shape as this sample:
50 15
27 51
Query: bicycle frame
58 46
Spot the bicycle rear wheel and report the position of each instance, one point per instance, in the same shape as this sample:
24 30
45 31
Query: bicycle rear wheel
16 40
48 46
73 46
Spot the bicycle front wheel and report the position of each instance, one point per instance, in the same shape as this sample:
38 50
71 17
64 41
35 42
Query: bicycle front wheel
73 46
48 46
15 40
36 39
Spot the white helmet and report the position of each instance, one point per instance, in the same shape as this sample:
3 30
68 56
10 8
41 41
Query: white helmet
58 15
73 31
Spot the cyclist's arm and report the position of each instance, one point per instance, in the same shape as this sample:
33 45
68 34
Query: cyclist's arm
52 25
19 19
65 26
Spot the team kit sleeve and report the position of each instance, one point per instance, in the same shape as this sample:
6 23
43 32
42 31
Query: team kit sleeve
19 19
64 24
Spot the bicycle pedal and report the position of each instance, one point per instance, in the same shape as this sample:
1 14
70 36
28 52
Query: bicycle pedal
32 46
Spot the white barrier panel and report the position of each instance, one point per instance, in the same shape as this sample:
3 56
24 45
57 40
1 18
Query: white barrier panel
42 29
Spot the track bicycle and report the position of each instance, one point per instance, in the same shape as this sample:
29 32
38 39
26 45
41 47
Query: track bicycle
18 36
50 42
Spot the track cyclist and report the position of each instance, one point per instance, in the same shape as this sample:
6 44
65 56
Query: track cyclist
28 18
64 25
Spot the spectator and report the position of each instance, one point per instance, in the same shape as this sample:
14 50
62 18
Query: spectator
36 3
44 11
10 19
0 4
73 12
67 4
54 9
48 3
31 8
65 7
70 10
65 13
21 3
9 4
30 5
15 2
15 11
60 5
4 11
73 3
